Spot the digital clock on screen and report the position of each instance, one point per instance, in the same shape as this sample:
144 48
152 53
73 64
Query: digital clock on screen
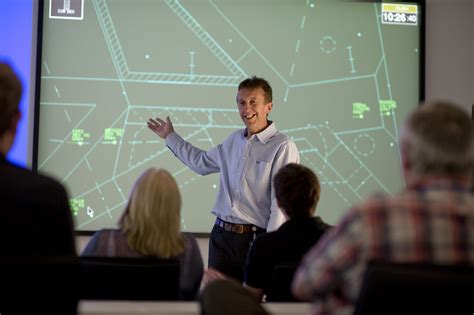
405 14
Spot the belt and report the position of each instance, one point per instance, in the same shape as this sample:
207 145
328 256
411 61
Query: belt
237 228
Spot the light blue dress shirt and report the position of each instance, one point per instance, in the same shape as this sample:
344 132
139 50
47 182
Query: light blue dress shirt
246 167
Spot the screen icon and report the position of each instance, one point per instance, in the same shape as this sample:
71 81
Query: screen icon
66 9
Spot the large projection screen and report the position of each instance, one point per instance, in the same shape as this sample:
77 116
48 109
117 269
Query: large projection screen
344 76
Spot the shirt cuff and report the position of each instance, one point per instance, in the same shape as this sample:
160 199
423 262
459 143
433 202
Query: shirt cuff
172 140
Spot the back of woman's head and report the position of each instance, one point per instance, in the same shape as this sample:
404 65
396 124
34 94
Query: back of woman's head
152 219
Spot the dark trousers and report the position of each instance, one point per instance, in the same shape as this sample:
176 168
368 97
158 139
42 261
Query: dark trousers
228 251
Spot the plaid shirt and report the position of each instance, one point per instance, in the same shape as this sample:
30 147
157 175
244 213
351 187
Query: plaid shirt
432 221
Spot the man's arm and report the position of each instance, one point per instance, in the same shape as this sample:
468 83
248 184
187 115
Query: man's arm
198 160
288 153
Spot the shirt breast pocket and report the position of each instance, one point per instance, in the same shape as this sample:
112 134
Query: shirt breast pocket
261 172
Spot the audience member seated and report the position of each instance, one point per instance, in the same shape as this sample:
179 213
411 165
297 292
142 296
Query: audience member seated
430 221
150 226
35 218
297 192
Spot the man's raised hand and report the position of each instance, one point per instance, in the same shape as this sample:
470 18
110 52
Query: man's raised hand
160 127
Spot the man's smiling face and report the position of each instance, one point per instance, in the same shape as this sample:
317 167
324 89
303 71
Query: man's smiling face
253 109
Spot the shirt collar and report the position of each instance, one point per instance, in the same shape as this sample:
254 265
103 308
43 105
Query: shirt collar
264 135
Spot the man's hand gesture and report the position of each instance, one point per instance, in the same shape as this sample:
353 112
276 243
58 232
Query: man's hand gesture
160 127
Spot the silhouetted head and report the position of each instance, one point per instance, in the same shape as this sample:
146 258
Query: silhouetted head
297 190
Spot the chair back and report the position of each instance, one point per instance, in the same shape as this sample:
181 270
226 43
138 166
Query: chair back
117 278
39 285
408 288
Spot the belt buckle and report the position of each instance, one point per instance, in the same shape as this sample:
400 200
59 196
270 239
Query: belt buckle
238 228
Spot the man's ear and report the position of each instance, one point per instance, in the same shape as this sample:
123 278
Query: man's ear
269 108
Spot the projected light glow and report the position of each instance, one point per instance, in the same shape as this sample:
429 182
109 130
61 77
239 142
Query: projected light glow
342 80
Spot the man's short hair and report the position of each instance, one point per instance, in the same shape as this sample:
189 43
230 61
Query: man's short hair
256 82
297 190
438 140
10 95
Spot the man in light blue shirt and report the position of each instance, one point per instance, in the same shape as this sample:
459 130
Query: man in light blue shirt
247 161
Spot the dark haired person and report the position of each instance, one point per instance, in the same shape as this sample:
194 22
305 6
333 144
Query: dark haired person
247 161
297 191
35 218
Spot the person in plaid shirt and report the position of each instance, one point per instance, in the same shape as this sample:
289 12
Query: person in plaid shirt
431 221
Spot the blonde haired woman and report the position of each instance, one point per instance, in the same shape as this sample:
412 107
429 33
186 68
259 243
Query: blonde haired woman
150 226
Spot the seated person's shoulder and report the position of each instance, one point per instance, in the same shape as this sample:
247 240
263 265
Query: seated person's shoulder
100 241
105 233
24 179
321 224
191 248
188 235
189 239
